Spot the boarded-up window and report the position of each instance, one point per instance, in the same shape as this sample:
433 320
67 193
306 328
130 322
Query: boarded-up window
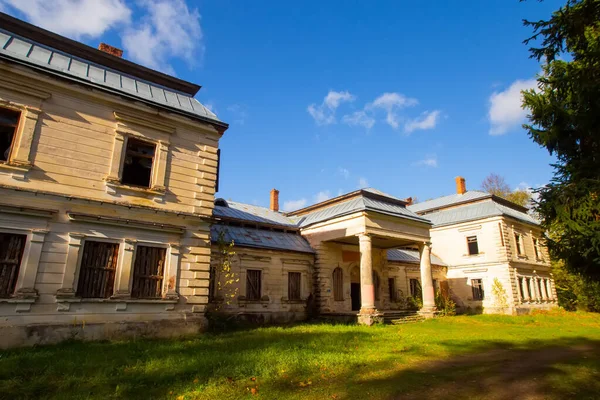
137 167
472 245
253 284
148 272
97 272
415 288
338 284
11 253
477 287
392 289
9 120
294 279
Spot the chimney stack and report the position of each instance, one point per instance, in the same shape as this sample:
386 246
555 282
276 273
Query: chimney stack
461 186
113 51
275 200
409 201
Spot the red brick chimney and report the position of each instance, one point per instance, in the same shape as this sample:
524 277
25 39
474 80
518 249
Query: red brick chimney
461 186
110 50
409 201
275 200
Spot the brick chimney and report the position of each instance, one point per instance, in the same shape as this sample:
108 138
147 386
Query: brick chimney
275 200
113 51
409 201
461 186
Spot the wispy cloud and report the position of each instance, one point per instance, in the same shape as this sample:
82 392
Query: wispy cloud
427 120
292 205
344 172
359 118
392 103
324 114
505 110
428 161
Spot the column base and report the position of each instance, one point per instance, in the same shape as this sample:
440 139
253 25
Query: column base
428 312
369 316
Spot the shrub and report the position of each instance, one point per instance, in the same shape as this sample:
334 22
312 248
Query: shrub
444 304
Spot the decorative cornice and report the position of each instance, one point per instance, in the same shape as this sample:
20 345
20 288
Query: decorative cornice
123 222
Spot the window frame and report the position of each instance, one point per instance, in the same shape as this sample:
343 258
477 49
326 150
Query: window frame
19 115
118 266
299 287
337 277
470 241
519 244
416 290
247 291
12 279
161 286
128 142
477 289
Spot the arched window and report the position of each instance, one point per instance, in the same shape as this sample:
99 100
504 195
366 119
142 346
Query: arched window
376 285
338 284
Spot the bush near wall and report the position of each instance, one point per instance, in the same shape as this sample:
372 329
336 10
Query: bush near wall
574 291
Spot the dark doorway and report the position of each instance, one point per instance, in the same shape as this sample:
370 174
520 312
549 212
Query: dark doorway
355 295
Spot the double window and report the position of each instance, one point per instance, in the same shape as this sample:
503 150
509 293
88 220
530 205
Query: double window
472 245
477 287
9 120
11 254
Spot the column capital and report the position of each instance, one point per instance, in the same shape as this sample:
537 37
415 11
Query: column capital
365 236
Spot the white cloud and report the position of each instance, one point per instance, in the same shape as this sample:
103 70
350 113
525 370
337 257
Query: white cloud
505 111
428 161
363 183
292 205
73 18
169 29
392 102
428 120
239 113
324 114
344 172
322 196
359 118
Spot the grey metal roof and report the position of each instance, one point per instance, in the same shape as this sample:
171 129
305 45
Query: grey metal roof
411 256
360 203
48 59
447 201
475 211
256 214
261 238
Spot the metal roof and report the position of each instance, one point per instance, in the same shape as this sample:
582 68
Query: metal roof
411 256
475 211
447 201
36 55
262 238
256 214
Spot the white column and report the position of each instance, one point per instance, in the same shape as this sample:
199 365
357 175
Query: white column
69 284
427 279
367 290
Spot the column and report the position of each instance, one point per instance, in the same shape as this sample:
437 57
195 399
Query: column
428 309
67 289
368 314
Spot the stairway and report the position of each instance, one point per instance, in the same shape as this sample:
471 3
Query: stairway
401 317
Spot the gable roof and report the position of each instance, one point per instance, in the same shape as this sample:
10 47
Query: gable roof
478 210
447 201
256 214
50 60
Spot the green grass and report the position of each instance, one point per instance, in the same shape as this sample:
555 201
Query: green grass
554 355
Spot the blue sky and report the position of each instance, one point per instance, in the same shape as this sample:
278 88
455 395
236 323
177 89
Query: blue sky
325 97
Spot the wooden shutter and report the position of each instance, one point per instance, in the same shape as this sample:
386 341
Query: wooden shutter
253 283
148 272
338 284
97 272
11 254
294 279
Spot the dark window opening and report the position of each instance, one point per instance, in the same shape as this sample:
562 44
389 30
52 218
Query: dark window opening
8 126
415 288
376 285
294 279
97 272
148 270
392 289
477 286
11 254
253 284
472 245
536 248
137 168
518 244
338 284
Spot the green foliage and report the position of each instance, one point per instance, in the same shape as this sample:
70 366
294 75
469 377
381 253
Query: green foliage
564 118
225 279
496 185
414 303
444 304
574 291
500 294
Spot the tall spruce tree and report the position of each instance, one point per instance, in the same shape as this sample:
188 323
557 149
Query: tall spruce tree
565 118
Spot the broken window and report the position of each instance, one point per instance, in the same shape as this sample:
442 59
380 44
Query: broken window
338 284
148 270
294 279
9 120
477 286
137 167
253 284
97 272
11 253
472 245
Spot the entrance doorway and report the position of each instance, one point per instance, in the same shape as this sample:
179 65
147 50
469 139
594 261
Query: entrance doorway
355 288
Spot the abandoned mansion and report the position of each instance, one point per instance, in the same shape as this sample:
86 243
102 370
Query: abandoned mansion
110 225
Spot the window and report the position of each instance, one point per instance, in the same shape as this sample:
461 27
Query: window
376 285
539 284
253 284
548 288
137 168
415 288
477 287
528 284
338 284
521 289
11 253
148 270
472 245
501 234
97 272
8 125
392 289
536 249
294 279
519 244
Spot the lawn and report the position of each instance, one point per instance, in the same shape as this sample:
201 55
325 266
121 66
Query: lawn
551 356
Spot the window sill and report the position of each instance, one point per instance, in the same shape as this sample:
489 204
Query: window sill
13 300
114 187
17 170
126 300
288 301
